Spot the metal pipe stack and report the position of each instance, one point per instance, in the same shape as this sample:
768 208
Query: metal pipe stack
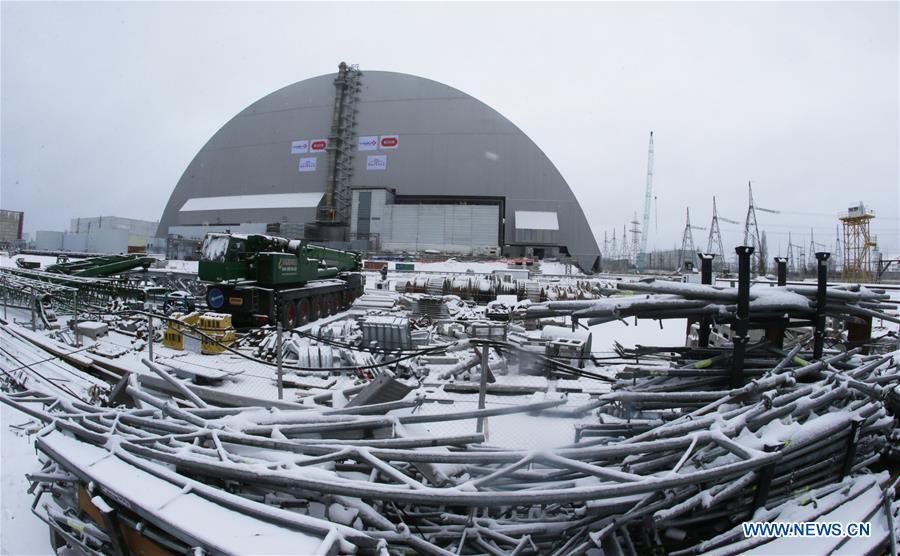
690 464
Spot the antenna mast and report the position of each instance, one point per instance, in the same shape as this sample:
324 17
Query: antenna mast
642 255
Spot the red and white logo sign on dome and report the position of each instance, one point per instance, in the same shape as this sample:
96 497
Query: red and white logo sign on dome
389 141
318 145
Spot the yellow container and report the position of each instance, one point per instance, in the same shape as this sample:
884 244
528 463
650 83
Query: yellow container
172 336
217 330
215 321
173 339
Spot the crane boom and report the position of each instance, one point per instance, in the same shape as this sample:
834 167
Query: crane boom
642 255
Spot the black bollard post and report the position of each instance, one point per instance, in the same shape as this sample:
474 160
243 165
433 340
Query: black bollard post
821 295
742 322
782 270
706 260
775 332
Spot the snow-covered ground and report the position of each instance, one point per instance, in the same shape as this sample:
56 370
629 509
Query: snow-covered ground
484 267
181 266
20 531
6 260
634 332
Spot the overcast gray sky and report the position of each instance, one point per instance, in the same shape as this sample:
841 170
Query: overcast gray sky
105 104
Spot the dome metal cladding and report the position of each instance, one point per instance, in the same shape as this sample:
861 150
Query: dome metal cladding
413 135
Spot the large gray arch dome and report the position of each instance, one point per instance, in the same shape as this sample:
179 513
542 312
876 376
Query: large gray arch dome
451 145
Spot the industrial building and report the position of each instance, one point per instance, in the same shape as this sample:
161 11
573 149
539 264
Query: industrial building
381 161
11 222
99 234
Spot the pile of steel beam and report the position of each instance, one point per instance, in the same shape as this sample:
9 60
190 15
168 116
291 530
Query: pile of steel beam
485 288
769 307
659 471
93 290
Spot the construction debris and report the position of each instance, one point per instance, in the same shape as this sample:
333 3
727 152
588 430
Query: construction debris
427 422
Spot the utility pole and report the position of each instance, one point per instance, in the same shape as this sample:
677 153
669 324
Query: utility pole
150 334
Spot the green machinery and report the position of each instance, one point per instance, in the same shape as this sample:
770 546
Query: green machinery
93 290
261 279
101 266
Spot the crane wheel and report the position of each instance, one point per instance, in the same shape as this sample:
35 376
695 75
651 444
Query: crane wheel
289 317
303 312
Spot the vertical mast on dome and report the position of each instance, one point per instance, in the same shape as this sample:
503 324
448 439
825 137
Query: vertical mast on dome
336 204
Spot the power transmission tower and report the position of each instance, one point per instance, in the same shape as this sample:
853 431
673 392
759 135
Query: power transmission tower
642 251
790 255
838 257
811 254
801 257
688 250
636 241
751 233
751 229
615 248
714 244
813 247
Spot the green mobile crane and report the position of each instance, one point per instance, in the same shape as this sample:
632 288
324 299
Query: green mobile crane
261 279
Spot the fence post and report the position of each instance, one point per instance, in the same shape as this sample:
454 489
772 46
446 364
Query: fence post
482 385
77 331
150 335
33 301
279 360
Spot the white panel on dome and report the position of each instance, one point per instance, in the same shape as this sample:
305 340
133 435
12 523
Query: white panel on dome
536 220
246 202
